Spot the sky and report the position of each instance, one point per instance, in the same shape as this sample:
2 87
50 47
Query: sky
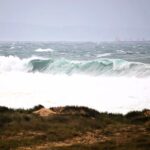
74 20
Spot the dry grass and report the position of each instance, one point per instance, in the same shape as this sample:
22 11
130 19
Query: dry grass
73 128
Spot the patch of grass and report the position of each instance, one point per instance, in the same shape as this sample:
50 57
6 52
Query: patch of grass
97 146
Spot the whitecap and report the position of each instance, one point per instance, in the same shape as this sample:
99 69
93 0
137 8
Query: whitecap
12 47
121 51
44 50
103 55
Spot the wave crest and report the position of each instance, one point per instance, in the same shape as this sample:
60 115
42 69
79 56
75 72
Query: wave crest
93 67
116 67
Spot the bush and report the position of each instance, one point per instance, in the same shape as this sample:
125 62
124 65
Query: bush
134 114
137 117
84 111
4 119
37 107
5 109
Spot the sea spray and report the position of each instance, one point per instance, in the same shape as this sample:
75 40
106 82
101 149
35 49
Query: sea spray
113 94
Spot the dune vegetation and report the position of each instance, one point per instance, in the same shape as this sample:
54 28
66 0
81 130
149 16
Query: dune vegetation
73 128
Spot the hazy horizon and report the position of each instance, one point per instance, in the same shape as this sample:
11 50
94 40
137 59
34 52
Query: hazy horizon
69 20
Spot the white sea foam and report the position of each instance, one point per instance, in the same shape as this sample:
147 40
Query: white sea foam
16 64
44 50
121 51
12 63
103 55
12 47
112 94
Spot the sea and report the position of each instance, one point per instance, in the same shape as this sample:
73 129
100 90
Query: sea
106 76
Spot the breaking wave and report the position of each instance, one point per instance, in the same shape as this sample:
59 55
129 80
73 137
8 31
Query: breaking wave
117 67
59 82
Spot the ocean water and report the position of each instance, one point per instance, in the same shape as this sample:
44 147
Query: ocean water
107 76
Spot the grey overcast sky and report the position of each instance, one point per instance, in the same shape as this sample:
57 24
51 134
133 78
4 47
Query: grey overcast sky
74 20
